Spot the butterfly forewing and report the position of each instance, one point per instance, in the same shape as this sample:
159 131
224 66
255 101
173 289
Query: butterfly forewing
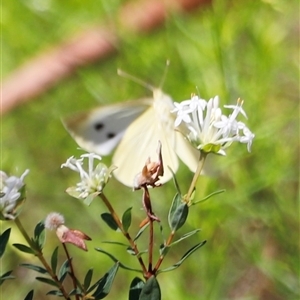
101 129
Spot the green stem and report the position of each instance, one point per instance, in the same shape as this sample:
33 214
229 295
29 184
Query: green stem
199 169
40 256
24 233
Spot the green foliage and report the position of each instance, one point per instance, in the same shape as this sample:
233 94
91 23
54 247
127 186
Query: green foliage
63 271
140 232
121 265
54 258
105 283
184 257
39 238
35 268
88 279
136 287
126 219
48 281
109 220
178 213
24 248
4 237
151 290
6 276
29 296
208 197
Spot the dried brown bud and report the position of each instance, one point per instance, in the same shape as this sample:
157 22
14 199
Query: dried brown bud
150 173
75 237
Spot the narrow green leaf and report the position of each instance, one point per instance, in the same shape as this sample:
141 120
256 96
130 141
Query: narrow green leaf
87 279
109 220
163 250
136 287
77 291
179 217
105 288
39 235
63 271
47 280
151 290
4 237
184 257
126 219
38 230
141 252
130 251
92 287
116 260
29 296
55 293
209 196
185 236
177 200
141 231
175 181
6 276
115 243
24 248
35 268
54 260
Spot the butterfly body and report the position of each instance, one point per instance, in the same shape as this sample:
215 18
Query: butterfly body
136 127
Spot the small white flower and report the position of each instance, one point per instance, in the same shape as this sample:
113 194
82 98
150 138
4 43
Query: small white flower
11 195
92 181
207 129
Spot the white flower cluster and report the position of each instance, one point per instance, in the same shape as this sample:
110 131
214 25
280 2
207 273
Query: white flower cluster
207 129
93 180
10 195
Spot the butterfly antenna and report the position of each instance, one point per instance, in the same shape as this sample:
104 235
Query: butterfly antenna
165 73
135 79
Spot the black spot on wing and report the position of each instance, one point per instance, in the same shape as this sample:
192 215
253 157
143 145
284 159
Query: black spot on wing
99 126
110 135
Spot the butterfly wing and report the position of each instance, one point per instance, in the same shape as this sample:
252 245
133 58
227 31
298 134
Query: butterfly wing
186 152
140 141
163 105
101 129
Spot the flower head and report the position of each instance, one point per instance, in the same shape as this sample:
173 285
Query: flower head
66 235
12 195
207 129
92 181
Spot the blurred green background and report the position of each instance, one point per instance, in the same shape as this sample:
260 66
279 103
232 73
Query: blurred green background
246 49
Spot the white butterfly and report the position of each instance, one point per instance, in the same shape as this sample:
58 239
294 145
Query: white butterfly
136 127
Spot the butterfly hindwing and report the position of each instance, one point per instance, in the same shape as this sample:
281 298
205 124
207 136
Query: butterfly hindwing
140 141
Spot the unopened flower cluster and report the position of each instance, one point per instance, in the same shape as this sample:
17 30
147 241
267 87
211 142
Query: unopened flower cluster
11 195
207 128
